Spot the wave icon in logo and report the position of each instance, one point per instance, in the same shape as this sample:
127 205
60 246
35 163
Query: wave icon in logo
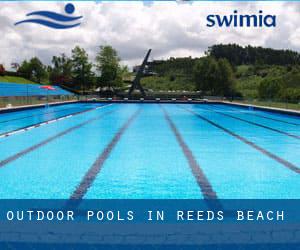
54 20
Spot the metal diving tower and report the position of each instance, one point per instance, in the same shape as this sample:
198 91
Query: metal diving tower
136 82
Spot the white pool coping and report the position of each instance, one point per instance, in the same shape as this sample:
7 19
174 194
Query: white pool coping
263 107
16 108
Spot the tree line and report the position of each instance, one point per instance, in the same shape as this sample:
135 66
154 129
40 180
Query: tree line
76 71
238 55
209 75
271 73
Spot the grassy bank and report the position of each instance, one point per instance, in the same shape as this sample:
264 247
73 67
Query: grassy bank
268 82
15 79
168 83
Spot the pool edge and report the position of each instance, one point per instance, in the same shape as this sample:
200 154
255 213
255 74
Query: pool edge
34 106
263 108
242 105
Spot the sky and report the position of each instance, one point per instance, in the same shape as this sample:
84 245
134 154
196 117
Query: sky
171 29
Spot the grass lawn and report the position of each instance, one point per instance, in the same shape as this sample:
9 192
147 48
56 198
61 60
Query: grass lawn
15 79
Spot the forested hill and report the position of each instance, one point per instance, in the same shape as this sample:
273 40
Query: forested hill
232 70
238 55
235 54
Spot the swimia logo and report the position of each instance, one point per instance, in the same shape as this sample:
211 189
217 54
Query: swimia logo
54 20
239 20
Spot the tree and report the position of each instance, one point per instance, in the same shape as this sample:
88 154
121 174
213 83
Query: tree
205 73
270 88
33 70
81 69
107 64
61 71
214 76
2 70
224 84
25 69
38 70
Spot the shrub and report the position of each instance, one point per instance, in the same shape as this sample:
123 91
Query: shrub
172 78
290 95
269 88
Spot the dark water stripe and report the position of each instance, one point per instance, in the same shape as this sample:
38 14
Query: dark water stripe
50 139
94 170
266 117
283 162
48 121
256 124
273 119
201 179
38 114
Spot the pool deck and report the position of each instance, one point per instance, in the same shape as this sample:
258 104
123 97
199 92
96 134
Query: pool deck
19 108
263 108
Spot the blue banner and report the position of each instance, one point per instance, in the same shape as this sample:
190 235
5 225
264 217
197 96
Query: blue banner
177 224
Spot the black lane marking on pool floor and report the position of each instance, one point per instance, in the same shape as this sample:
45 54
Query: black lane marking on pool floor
266 117
36 125
256 124
203 182
38 114
273 119
50 139
94 170
283 162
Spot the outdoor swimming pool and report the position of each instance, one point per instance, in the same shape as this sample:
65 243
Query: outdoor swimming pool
95 151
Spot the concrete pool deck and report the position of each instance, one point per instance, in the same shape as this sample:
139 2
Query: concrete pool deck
265 108
109 100
32 106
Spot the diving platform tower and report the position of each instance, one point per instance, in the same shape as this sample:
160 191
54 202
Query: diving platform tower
136 82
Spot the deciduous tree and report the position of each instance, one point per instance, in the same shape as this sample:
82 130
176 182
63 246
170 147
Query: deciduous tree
108 65
81 69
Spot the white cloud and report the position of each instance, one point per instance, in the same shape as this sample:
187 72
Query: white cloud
170 29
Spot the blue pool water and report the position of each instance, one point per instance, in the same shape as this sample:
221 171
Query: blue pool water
17 120
149 151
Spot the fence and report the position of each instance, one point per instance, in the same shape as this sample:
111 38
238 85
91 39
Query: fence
14 94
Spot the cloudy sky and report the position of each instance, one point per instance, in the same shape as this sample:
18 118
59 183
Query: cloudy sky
169 28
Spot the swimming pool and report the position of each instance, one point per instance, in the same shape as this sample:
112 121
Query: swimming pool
172 151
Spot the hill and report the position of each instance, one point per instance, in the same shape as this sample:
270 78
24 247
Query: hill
257 73
272 82
171 74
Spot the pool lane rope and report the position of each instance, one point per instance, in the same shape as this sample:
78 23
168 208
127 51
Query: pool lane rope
24 129
38 114
50 139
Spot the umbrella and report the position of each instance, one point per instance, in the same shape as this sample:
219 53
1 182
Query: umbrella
47 87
